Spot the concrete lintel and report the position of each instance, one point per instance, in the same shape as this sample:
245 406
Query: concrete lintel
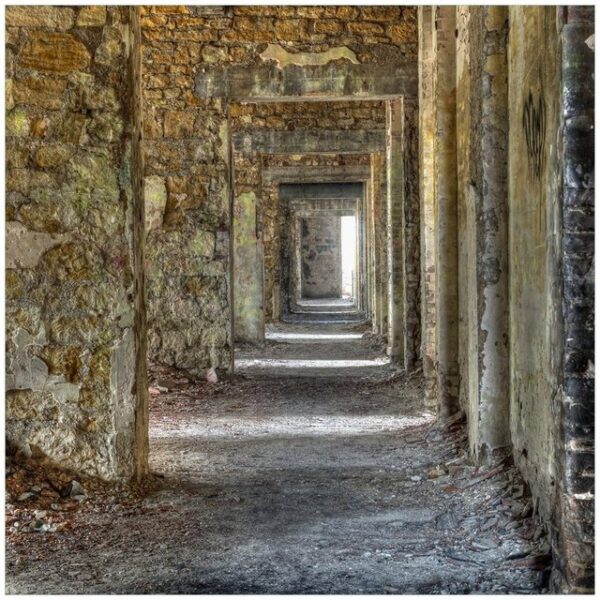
348 206
306 141
309 173
315 82
319 191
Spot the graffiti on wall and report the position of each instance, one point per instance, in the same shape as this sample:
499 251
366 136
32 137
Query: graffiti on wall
534 127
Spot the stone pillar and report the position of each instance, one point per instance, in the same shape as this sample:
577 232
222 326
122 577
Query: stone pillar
573 521
248 285
411 250
369 231
446 208
140 327
395 228
377 246
491 214
427 224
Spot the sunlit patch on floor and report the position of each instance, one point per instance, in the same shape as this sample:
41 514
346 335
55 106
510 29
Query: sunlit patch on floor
298 426
283 363
290 336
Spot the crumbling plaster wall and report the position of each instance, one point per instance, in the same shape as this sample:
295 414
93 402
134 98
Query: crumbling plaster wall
426 200
551 276
190 57
545 191
535 327
482 204
73 245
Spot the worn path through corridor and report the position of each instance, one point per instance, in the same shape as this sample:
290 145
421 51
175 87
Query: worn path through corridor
300 479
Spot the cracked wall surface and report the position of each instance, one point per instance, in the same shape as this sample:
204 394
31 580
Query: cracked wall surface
535 331
72 259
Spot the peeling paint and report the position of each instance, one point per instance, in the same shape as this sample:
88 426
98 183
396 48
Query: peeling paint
283 58
25 248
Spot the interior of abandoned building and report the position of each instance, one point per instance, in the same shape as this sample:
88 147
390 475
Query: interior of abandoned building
320 278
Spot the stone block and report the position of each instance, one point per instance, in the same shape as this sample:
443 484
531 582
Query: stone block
54 53
17 123
364 28
171 10
27 405
155 198
348 13
25 248
63 360
152 21
48 17
203 244
91 16
52 156
179 124
291 29
111 47
8 94
214 54
40 91
329 26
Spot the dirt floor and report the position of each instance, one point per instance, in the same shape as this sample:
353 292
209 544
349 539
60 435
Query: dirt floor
288 479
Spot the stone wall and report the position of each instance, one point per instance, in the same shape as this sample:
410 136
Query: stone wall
73 238
195 58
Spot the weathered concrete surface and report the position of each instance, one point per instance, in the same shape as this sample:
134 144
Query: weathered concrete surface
427 209
75 335
248 314
445 203
535 332
482 144
318 82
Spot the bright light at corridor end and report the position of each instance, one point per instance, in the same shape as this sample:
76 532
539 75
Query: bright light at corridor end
348 247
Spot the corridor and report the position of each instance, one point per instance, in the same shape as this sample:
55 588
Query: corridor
300 480
300 298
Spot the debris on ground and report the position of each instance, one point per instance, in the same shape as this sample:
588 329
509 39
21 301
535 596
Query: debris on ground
282 485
